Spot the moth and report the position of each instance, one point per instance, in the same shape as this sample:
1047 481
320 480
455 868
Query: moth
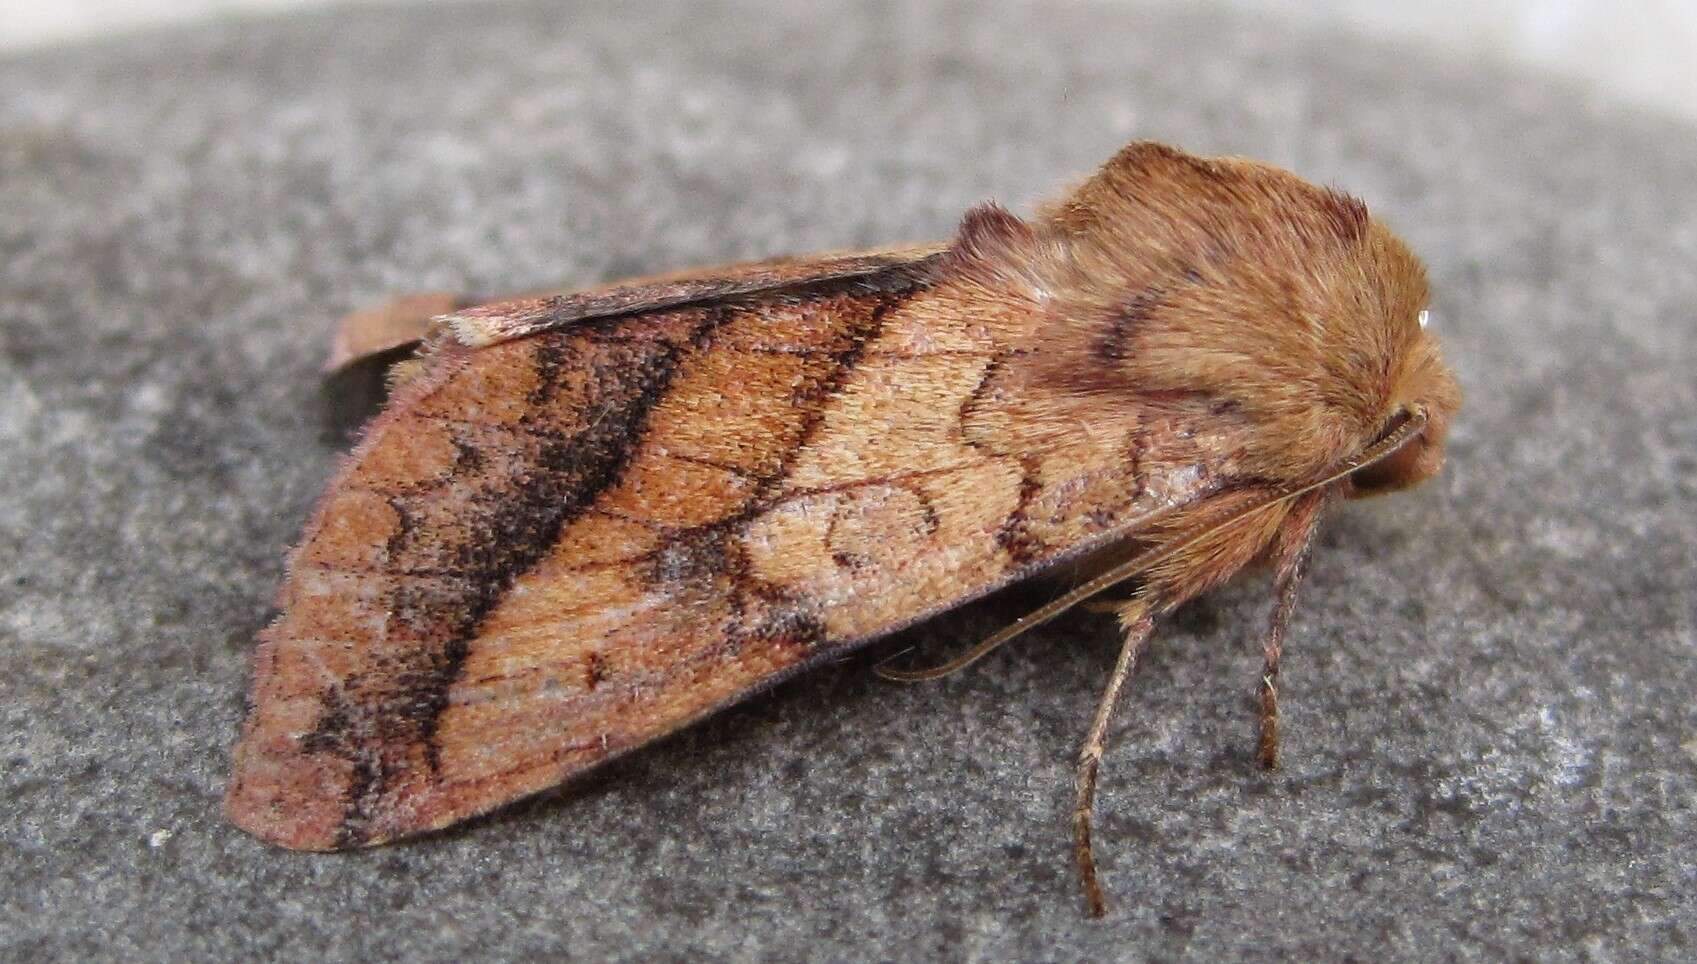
586 520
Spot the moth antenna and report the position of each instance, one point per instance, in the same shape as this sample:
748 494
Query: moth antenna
960 662
1145 561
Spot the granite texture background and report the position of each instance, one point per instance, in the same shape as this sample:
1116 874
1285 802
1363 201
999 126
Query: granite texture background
1490 740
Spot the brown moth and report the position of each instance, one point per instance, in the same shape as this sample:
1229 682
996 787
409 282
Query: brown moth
584 521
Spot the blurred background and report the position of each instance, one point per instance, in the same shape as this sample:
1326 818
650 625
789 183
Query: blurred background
1639 51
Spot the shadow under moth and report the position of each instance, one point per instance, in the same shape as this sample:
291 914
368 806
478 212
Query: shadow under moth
586 520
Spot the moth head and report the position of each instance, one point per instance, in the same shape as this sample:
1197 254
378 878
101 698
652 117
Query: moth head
1278 314
1424 389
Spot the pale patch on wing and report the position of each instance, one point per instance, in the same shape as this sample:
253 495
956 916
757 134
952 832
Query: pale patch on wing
897 415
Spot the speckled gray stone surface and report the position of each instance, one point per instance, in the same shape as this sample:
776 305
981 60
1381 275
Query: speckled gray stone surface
1490 732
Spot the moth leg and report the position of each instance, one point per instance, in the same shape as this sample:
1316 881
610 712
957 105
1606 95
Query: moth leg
1138 623
1290 560
1105 607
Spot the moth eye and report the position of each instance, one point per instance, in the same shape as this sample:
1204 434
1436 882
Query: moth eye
1425 317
